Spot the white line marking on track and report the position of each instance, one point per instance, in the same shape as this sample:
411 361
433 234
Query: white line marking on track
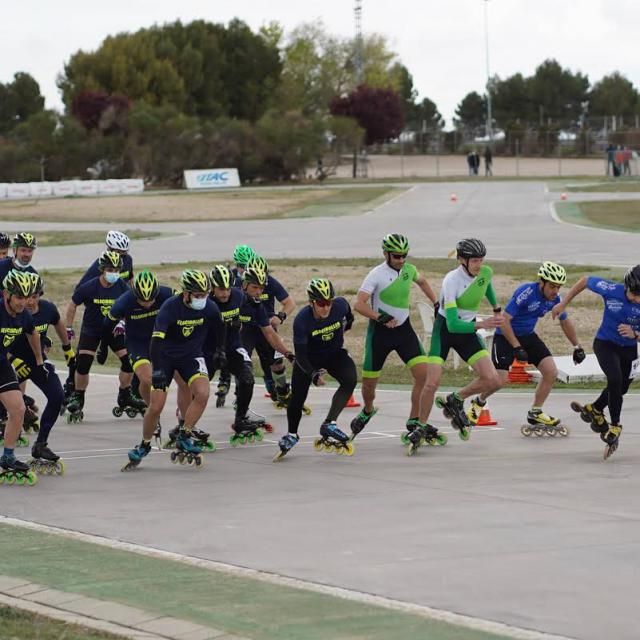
469 622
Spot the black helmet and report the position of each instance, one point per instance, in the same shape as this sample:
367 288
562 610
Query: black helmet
632 280
109 260
38 283
220 277
24 239
253 275
471 248
5 241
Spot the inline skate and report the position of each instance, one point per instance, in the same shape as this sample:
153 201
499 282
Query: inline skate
13 471
541 424
44 461
136 455
333 440
246 430
186 451
453 409
75 407
286 443
128 403
361 421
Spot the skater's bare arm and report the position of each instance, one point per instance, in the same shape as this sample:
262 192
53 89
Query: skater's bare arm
577 288
507 331
275 340
71 314
34 341
428 291
570 331
363 307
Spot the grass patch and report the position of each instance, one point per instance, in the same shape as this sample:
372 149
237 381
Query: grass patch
24 625
620 215
347 275
611 185
62 238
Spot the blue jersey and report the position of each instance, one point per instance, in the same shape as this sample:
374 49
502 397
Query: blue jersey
46 316
617 310
230 312
12 327
253 315
93 271
97 300
139 320
184 330
273 291
321 336
6 264
527 304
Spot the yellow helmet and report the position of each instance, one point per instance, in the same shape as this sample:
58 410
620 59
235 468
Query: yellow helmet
195 281
145 286
19 283
220 277
552 272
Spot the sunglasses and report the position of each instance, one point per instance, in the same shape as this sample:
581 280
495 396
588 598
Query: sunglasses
399 256
323 303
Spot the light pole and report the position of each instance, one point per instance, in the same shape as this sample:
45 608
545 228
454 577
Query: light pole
486 46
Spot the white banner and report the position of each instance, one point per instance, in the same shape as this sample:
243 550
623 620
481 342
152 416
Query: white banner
86 187
40 189
18 190
211 178
3 190
64 188
109 187
132 185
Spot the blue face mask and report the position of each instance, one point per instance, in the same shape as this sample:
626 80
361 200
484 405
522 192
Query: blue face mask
112 277
198 304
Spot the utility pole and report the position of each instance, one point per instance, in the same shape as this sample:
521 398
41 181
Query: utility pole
486 46
359 54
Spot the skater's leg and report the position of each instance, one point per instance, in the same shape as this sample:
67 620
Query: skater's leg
143 374
549 371
610 363
199 387
125 374
431 385
300 383
83 366
157 400
343 369
242 370
54 394
183 395
487 380
369 393
419 373
12 400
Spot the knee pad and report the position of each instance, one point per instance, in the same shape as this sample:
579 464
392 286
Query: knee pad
125 364
245 376
83 363
278 366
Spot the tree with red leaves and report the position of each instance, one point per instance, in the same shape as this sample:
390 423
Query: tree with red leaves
101 111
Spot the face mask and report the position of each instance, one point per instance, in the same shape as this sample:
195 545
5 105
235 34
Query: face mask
21 265
112 277
198 304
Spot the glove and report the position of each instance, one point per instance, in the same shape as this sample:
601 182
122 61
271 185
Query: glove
46 343
290 357
436 308
578 355
119 329
40 374
520 354
348 321
235 323
219 359
282 316
316 375
159 380
71 334
384 317
69 353
103 352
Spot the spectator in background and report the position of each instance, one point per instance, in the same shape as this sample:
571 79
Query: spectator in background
611 159
488 161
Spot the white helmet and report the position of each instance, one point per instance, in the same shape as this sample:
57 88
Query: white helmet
118 240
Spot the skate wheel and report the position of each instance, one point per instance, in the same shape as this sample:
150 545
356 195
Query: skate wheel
464 434
20 480
552 432
209 445
234 441
328 447
279 456
181 458
10 479
198 461
132 413
318 445
251 437
31 479
339 450
538 432
174 457
259 436
128 466
404 438
442 439
190 459
563 431
306 410
23 441
117 412
525 430
267 427
348 449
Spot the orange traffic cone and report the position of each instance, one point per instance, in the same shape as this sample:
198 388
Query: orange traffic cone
485 419
352 402
518 373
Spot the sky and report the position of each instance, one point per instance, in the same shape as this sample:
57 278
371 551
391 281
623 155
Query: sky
442 42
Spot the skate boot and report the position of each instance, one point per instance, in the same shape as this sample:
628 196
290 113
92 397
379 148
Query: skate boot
157 435
201 439
287 442
246 430
30 403
30 421
593 416
187 452
411 425
453 409
13 471
173 436
283 395
333 439
136 455
361 421
44 461
540 424
67 388
473 412
129 404
423 434
612 439
221 393
74 407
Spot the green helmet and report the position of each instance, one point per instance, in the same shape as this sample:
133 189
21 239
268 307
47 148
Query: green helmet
552 272
258 262
195 281
242 254
253 275
19 283
146 286
395 243
220 277
38 283
320 289
24 239
110 260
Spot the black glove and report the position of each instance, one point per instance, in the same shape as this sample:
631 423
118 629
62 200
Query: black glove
40 374
384 317
219 359
282 316
290 357
235 323
436 308
348 321
578 355
159 380
316 375
520 354
102 353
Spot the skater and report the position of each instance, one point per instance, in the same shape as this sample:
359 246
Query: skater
24 245
98 296
230 302
271 361
5 243
137 308
455 327
183 324
44 314
384 299
615 346
119 243
14 321
517 339
241 256
318 341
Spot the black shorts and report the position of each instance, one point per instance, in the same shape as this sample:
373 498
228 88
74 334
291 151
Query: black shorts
90 343
237 361
188 368
381 341
8 378
469 346
138 353
502 352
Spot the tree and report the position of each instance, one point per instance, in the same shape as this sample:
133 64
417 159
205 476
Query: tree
377 111
100 111
614 95
510 100
19 100
471 112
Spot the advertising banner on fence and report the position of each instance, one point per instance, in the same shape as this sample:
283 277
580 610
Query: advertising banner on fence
211 178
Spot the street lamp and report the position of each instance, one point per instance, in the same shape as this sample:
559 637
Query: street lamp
486 46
